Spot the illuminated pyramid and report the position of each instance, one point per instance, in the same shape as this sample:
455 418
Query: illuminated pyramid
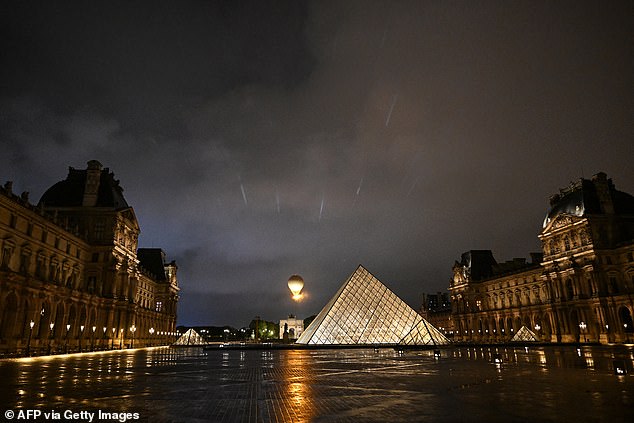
524 335
366 312
191 337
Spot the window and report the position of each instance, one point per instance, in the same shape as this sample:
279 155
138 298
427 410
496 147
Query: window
569 290
7 251
614 285
40 265
584 237
25 259
100 227
92 282
95 257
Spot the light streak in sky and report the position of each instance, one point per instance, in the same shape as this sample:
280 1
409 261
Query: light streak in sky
321 209
412 187
244 194
389 114
358 191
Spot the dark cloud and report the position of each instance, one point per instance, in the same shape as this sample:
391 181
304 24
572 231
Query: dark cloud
256 140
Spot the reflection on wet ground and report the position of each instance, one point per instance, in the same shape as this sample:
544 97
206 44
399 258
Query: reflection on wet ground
464 384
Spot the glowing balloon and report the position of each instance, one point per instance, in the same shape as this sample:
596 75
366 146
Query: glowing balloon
296 284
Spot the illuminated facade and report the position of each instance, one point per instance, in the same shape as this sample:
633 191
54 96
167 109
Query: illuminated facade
579 289
366 312
71 277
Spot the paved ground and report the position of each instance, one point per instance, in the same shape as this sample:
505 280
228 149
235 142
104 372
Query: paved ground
545 384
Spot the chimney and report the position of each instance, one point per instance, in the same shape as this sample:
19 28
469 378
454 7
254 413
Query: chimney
91 189
603 186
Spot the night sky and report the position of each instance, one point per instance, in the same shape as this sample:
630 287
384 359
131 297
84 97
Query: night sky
259 139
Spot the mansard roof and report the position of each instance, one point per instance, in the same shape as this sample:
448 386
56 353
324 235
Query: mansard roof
582 198
70 192
152 260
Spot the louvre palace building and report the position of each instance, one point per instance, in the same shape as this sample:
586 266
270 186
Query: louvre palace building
580 288
71 276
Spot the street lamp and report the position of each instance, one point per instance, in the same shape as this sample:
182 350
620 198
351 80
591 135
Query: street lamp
121 338
105 340
50 338
132 329
81 336
112 343
28 344
583 326
66 338
92 342
151 333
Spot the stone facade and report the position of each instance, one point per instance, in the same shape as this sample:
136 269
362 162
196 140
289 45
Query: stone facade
71 277
293 325
579 289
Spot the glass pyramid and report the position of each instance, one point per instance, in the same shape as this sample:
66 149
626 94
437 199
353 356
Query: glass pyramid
524 335
191 337
366 312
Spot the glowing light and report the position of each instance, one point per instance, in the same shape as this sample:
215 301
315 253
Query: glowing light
296 284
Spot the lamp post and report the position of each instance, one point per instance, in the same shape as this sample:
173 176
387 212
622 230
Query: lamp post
537 328
81 336
132 329
151 334
112 343
105 340
66 338
627 337
50 338
583 326
28 344
92 341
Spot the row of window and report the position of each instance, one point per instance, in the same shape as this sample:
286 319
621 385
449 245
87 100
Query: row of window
39 233
567 242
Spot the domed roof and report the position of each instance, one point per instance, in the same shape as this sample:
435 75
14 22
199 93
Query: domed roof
70 192
582 198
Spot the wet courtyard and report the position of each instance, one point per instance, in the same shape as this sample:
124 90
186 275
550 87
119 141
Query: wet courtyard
536 384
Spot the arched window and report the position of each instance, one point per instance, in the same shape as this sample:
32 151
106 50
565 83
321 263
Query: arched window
569 290
7 251
584 237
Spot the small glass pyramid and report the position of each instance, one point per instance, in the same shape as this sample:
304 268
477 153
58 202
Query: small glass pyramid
191 337
524 334
366 312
